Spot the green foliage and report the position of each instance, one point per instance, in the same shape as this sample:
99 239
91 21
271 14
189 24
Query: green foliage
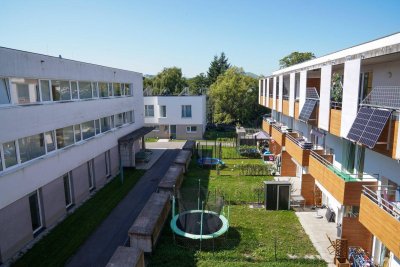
337 87
63 241
255 169
235 98
295 58
217 67
168 82
197 83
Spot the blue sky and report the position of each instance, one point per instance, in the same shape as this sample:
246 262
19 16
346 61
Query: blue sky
148 35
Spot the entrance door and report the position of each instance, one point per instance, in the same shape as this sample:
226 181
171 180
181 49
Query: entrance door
172 131
284 195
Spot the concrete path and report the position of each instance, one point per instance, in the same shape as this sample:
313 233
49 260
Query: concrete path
317 229
157 153
113 232
167 145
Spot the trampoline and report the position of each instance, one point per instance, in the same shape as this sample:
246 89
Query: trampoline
210 162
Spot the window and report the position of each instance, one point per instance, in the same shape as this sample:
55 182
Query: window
88 129
24 91
110 89
103 89
85 90
45 90
119 119
122 89
90 174
97 125
4 92
67 190
186 111
60 90
149 110
108 163
77 132
117 89
31 147
50 141
163 111
191 129
105 124
65 136
112 122
1 161
129 117
128 90
74 90
10 154
156 128
36 212
95 90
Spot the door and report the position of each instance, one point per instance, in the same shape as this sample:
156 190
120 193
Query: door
284 194
271 197
172 131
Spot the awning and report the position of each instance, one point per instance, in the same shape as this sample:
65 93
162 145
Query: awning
261 135
135 135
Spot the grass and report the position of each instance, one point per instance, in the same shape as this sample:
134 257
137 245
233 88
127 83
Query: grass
151 139
219 135
253 233
63 241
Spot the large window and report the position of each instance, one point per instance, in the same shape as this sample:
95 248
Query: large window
149 110
36 212
163 111
31 147
105 124
4 92
91 174
10 154
85 90
45 90
67 190
50 141
117 89
95 90
65 136
186 111
24 91
129 117
119 119
128 90
74 90
103 89
88 129
191 129
97 126
60 90
77 132
108 163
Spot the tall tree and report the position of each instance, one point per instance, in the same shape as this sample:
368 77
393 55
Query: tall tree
235 98
169 81
295 58
197 84
217 67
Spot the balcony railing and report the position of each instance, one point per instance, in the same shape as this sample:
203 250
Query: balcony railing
300 141
285 97
379 195
336 105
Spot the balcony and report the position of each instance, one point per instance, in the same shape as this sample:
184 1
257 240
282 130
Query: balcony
267 125
271 100
335 119
261 100
381 215
298 148
285 105
387 141
296 110
345 188
278 133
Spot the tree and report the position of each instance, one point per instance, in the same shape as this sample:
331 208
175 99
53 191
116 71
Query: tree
217 67
197 83
169 81
295 58
235 98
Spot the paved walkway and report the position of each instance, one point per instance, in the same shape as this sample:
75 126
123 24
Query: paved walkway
113 232
157 153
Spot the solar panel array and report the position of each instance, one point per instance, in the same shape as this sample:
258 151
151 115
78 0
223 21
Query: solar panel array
384 96
307 110
368 126
312 93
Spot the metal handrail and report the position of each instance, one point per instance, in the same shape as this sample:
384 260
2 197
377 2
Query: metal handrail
336 105
380 201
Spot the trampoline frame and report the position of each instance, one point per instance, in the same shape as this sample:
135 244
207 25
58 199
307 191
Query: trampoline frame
201 161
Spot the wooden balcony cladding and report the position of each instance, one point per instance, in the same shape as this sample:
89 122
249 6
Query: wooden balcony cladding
285 107
335 121
271 101
300 155
382 148
307 188
274 148
381 224
261 101
346 192
266 126
356 234
278 136
296 110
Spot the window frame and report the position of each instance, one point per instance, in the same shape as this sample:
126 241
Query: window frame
189 129
184 108
160 109
68 176
90 168
146 111
39 204
8 91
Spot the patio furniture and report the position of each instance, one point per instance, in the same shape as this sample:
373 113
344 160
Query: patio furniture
331 248
298 201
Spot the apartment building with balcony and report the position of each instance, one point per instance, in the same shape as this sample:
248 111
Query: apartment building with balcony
63 123
176 117
335 126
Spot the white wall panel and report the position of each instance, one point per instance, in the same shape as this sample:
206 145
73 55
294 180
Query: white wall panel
264 91
280 91
325 98
350 94
291 93
274 93
267 101
259 90
303 88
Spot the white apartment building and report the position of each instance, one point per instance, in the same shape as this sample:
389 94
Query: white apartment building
344 145
61 123
177 117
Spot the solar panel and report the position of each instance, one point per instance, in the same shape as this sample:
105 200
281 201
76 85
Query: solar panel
307 110
384 96
312 93
368 126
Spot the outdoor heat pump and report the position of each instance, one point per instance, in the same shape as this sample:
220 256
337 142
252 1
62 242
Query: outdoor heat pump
277 195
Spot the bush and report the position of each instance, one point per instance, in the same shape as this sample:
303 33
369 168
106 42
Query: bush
255 169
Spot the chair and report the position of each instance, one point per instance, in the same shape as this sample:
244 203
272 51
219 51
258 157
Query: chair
331 248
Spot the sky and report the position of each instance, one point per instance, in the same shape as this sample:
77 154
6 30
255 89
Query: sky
149 35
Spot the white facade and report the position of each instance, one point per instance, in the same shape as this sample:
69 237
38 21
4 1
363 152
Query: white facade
167 111
77 112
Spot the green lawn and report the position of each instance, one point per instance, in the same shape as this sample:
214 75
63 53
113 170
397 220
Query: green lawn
253 232
219 135
55 248
151 139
